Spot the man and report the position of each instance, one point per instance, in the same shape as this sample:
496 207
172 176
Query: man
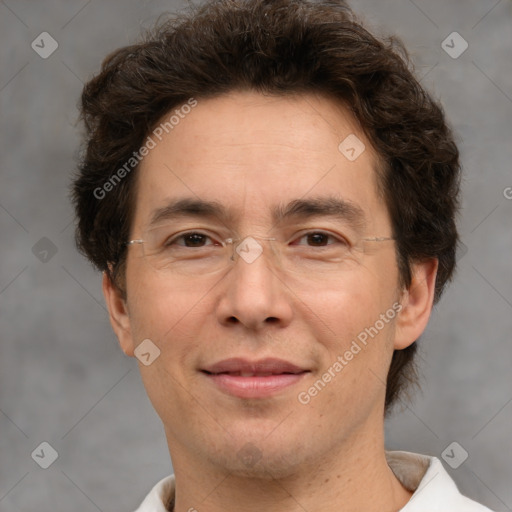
271 197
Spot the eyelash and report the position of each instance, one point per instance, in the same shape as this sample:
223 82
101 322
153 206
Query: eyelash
308 233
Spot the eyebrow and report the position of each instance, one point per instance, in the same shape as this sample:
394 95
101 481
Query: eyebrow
297 209
341 209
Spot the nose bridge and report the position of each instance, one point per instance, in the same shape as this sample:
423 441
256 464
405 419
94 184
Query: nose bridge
256 264
254 293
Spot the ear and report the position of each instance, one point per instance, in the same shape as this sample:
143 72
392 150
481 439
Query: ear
119 315
417 302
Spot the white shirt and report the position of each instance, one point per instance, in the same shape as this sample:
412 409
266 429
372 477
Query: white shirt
433 488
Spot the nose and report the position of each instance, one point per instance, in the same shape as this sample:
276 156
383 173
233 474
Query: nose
253 292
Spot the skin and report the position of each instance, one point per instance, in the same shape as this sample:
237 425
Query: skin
249 152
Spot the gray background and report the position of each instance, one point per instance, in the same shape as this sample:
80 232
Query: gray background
63 378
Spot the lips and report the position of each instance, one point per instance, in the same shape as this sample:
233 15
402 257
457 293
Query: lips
262 368
253 379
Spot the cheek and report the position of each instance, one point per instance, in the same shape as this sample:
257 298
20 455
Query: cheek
352 379
354 303
357 330
157 308
172 320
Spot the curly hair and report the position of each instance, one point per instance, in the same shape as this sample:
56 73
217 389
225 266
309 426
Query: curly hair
275 47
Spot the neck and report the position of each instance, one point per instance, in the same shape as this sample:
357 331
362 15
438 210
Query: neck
351 477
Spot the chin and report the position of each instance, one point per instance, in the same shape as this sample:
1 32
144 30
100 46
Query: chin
268 463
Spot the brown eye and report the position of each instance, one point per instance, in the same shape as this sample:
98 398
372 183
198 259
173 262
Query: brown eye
319 239
191 239
194 240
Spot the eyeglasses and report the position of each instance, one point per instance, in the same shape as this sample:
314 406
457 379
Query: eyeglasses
198 252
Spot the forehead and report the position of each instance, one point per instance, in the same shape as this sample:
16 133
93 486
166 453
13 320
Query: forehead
253 153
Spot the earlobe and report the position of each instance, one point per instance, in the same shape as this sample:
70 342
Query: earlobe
119 315
417 302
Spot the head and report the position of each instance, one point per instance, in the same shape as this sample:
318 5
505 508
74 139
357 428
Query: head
246 105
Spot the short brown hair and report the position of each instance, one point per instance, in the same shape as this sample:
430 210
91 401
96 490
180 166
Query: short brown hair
276 47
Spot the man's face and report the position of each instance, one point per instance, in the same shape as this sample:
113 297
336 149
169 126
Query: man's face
251 153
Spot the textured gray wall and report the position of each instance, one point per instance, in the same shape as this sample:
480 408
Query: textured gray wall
63 378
